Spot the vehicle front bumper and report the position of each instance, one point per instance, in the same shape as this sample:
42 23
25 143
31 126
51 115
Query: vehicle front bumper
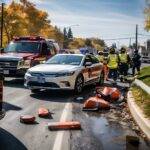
13 72
56 83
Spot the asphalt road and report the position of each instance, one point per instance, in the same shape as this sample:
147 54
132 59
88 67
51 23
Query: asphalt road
100 130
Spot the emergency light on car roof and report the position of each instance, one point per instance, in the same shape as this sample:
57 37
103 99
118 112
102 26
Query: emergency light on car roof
29 38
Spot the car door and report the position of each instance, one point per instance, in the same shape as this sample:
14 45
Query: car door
96 68
87 69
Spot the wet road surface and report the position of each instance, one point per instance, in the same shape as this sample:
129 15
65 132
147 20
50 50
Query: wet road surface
100 130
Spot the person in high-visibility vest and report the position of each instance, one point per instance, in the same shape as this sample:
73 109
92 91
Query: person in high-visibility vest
124 61
100 56
103 60
113 64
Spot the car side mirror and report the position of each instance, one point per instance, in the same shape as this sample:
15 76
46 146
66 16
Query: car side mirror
88 64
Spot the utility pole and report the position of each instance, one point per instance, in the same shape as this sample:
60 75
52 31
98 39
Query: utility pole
129 42
2 23
136 38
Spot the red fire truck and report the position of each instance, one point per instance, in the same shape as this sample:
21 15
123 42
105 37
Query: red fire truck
23 53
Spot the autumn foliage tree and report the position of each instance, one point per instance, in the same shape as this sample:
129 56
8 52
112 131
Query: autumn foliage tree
147 15
23 19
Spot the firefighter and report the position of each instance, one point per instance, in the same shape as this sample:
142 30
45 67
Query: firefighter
124 61
112 64
100 56
136 62
103 60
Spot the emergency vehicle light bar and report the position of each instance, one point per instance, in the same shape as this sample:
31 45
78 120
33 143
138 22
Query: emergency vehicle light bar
29 38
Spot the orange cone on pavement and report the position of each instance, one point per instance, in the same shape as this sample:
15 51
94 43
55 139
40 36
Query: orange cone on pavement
109 93
115 94
43 112
64 125
27 119
96 102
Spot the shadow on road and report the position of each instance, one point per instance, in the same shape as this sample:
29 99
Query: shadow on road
10 142
17 83
53 95
8 106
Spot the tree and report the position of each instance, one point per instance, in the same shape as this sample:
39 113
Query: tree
88 43
70 34
24 19
66 41
65 34
147 15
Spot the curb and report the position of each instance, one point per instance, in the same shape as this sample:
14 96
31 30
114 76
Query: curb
143 86
143 123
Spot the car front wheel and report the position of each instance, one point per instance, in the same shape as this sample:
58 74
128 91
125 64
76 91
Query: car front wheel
79 84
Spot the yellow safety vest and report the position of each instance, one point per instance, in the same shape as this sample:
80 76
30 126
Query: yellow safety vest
100 58
123 58
112 61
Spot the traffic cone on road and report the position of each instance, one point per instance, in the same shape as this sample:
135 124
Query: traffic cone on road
67 125
43 112
108 93
29 119
95 103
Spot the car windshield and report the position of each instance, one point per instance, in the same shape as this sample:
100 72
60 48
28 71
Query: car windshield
23 47
65 59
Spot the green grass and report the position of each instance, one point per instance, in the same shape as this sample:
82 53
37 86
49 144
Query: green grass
142 99
145 75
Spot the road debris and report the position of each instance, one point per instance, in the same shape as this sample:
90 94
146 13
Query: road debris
43 112
67 125
95 103
28 119
134 140
109 93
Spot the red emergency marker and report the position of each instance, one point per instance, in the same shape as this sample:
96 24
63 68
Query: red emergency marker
66 125
29 119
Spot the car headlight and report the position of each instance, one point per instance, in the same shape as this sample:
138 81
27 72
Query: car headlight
24 64
28 73
27 64
65 74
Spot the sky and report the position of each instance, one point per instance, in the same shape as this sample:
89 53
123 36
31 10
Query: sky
104 19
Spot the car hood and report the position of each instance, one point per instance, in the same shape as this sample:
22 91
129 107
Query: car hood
16 56
53 68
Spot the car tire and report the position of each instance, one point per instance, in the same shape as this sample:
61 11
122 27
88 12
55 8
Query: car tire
35 91
79 84
101 79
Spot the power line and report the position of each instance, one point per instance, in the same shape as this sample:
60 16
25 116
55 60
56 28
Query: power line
144 35
124 38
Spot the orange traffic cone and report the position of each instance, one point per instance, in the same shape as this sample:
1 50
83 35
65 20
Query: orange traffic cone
94 103
64 125
27 119
108 93
115 95
43 112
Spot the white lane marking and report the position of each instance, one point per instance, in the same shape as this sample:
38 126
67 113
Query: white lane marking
59 136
